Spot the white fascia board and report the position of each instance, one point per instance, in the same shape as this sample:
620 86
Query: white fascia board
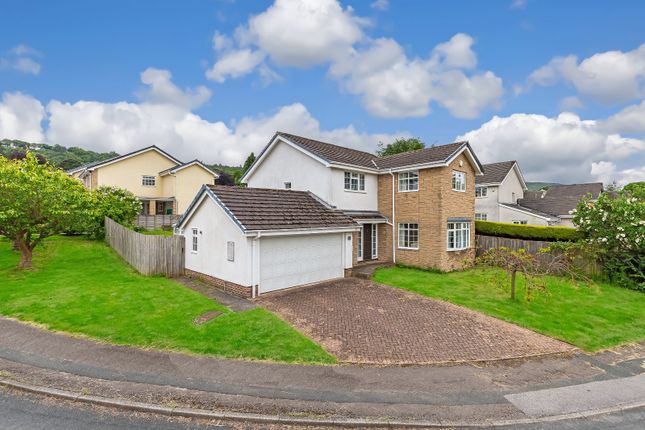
133 154
470 156
354 168
528 213
489 184
517 170
287 232
270 147
192 163
371 221
203 193
413 167
197 201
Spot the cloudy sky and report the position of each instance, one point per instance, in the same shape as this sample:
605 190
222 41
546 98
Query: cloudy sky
559 86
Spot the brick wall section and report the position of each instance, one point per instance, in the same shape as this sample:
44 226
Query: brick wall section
430 207
227 287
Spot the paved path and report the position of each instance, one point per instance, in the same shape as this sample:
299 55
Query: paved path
39 357
360 321
236 304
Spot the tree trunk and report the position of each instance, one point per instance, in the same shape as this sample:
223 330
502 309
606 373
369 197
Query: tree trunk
513 275
25 255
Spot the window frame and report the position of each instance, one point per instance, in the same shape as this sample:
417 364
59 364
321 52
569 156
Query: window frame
148 177
481 216
351 179
374 242
454 183
481 188
405 179
287 185
230 251
460 233
194 249
520 222
404 230
359 252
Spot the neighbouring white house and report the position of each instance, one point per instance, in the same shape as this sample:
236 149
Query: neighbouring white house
250 241
501 195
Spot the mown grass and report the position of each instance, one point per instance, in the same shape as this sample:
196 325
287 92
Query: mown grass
83 287
157 232
592 317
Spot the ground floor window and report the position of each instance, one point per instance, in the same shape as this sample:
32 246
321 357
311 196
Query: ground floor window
374 241
520 221
195 240
408 236
458 236
481 216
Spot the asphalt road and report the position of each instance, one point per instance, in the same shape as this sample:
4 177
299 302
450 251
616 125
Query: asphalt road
24 412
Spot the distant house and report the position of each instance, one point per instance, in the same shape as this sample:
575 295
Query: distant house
501 195
559 200
165 185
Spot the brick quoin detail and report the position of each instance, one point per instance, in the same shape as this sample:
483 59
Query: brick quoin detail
227 287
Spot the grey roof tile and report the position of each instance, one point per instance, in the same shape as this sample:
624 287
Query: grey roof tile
495 173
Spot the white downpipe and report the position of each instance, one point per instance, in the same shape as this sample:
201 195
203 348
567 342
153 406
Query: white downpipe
393 222
256 246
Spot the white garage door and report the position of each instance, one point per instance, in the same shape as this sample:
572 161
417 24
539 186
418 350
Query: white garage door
288 261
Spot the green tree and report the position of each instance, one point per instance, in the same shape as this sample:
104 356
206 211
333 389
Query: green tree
400 145
249 161
38 201
514 262
635 189
119 204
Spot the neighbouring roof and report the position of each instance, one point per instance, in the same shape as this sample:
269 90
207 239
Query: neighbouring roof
273 209
363 215
559 200
529 210
95 164
333 153
433 154
495 173
184 165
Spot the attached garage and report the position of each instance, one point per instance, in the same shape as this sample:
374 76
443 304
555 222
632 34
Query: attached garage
287 261
251 241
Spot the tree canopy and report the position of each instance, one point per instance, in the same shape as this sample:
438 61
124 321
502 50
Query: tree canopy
57 155
400 145
38 201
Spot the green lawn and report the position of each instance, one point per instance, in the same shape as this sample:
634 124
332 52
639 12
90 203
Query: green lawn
592 317
83 287
157 232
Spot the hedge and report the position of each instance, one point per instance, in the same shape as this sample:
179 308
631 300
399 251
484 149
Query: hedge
530 232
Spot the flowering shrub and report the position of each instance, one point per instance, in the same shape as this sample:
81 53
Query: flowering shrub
119 204
615 225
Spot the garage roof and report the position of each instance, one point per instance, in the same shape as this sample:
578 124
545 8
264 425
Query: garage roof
256 209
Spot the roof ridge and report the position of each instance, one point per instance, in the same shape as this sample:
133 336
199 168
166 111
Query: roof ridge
389 157
327 143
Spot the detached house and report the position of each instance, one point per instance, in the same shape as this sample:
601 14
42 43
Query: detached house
165 185
314 209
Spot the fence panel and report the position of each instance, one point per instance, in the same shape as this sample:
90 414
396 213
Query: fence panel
150 255
533 247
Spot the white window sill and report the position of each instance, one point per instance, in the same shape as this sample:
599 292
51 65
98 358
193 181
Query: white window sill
457 249
193 252
460 191
356 191
408 249
409 191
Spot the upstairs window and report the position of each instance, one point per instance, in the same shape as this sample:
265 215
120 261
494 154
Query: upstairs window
458 181
458 236
481 191
481 216
354 181
409 181
148 181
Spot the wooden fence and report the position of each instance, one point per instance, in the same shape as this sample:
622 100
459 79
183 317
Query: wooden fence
152 222
150 255
533 247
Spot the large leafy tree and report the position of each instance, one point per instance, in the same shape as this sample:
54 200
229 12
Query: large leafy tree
38 201
117 203
400 145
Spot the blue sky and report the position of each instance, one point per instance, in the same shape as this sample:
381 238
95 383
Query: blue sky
557 85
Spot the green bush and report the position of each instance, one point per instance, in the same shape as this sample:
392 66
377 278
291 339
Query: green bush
530 232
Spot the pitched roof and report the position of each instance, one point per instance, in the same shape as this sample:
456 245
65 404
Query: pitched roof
529 210
272 209
95 164
333 153
495 173
559 200
184 165
433 154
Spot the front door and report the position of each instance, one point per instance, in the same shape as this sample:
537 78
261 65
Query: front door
367 241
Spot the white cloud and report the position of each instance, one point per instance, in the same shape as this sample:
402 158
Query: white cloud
607 172
21 117
164 117
561 148
393 85
20 58
629 120
304 33
608 77
380 4
571 103
519 4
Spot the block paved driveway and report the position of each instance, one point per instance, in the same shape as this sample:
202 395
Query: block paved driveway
360 321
